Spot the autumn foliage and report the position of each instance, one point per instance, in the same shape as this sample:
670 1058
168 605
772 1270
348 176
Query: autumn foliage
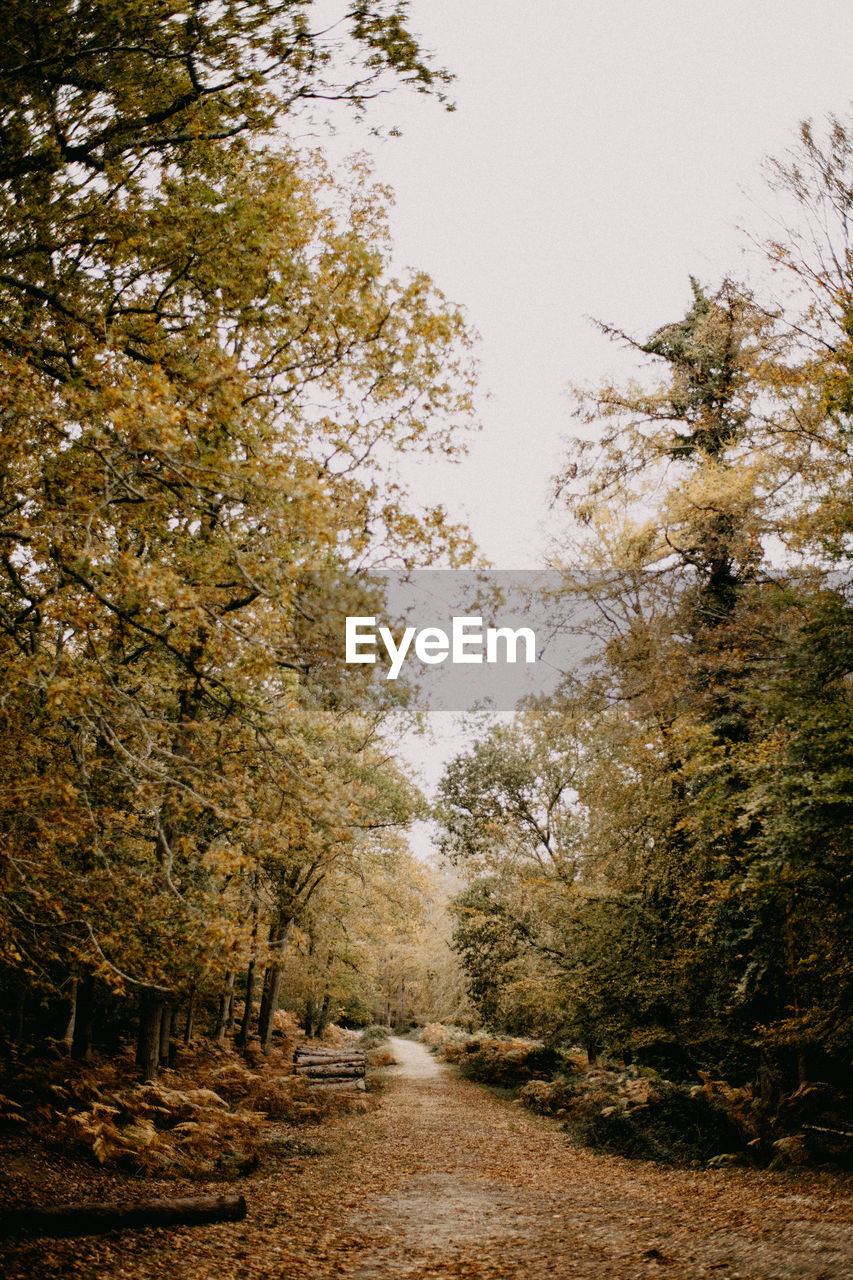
207 372
658 857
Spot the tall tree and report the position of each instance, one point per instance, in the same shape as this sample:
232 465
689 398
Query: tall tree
206 368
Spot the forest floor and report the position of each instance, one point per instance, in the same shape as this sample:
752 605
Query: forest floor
444 1178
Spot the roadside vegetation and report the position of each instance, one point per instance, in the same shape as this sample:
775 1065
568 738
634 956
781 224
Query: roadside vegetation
638 1113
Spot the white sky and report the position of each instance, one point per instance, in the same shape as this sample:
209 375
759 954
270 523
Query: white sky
598 156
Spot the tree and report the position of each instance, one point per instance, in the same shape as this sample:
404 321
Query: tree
708 739
207 367
739 451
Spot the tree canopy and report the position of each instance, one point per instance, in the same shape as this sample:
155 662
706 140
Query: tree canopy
208 370
690 904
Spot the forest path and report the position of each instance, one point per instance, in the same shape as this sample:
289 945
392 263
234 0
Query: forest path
445 1179
478 1187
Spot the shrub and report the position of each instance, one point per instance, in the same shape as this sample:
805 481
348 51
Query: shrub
672 1127
373 1036
549 1097
435 1035
502 1063
381 1058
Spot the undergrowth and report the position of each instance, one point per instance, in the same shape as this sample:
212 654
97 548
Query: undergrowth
215 1114
637 1113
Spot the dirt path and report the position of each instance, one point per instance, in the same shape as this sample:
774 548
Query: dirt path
491 1191
445 1179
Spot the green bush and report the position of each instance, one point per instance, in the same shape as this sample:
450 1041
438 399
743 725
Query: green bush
672 1128
373 1036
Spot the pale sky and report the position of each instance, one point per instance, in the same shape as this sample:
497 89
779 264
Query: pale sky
600 154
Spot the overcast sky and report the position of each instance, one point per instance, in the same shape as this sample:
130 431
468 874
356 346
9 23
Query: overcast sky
598 156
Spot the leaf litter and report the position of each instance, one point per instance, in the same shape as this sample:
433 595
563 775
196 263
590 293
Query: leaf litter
445 1179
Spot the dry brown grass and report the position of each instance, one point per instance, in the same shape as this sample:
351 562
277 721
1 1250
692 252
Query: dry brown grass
381 1058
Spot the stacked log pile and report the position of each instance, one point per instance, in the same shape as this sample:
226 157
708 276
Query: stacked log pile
330 1068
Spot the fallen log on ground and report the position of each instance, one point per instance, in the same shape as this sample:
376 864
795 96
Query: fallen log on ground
330 1068
88 1218
328 1053
354 1061
303 1052
337 1069
350 1047
339 1084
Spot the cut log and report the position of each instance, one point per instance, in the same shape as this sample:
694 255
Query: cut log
90 1218
324 1061
349 1085
337 1055
329 1053
351 1069
303 1047
310 1064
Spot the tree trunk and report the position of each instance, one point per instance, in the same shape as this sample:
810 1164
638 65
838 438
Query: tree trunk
68 1038
317 1015
20 1010
308 1017
263 1014
265 1029
84 1020
768 1087
93 1218
166 1022
189 1025
148 1043
325 1008
799 1047
232 1012
243 1034
279 939
226 1005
